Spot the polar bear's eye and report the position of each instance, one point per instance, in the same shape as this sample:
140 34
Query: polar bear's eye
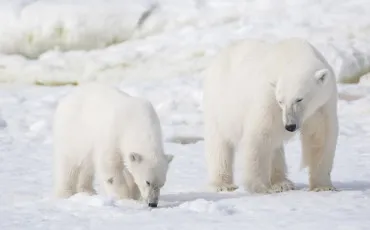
147 183
299 100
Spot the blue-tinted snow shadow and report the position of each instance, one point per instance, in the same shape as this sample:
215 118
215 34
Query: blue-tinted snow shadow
176 199
357 185
208 196
342 186
214 196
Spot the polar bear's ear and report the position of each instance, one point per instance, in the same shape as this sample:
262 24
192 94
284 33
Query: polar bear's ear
321 75
169 158
135 157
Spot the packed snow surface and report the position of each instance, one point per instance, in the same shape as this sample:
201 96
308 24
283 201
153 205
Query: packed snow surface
26 181
71 41
157 51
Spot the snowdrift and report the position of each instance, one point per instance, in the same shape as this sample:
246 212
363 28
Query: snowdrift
52 42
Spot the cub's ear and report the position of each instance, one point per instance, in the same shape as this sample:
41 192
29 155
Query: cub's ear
321 76
169 158
135 157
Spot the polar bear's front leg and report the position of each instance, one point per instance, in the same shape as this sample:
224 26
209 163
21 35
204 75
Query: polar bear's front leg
258 157
110 172
319 138
220 160
131 185
86 177
65 176
279 180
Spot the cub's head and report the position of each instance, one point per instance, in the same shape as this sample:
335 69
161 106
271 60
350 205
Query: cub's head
149 174
301 93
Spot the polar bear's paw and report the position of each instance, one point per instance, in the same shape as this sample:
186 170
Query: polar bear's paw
324 188
87 190
223 187
257 187
283 186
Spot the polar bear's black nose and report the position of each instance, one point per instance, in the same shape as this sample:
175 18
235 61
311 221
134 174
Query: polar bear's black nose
153 205
291 128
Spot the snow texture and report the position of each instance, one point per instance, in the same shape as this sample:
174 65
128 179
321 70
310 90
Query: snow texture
26 181
71 41
53 42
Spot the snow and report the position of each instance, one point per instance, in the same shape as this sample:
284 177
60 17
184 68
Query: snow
161 61
26 155
70 41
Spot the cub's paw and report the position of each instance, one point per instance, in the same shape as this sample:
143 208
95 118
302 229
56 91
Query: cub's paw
283 186
223 187
256 187
87 191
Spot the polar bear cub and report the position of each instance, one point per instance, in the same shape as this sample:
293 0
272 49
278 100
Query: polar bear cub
101 130
258 95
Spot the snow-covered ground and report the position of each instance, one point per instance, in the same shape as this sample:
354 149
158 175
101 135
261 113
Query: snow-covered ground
161 61
25 172
69 41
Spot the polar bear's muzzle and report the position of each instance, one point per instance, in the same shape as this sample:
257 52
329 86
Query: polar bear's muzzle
153 205
153 197
291 127
290 119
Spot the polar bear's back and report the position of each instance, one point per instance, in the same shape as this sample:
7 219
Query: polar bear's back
246 54
235 71
248 67
94 109
229 82
294 55
255 61
99 99
238 85
93 102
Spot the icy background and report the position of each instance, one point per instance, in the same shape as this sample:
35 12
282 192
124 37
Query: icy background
59 41
53 42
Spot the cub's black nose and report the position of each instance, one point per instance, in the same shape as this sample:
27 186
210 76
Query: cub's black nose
153 205
291 128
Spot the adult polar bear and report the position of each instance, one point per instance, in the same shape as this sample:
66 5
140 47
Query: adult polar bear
98 128
256 95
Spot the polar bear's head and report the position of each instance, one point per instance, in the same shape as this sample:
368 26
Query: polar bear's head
149 174
300 93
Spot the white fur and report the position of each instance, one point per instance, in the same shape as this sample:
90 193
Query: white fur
250 97
103 130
